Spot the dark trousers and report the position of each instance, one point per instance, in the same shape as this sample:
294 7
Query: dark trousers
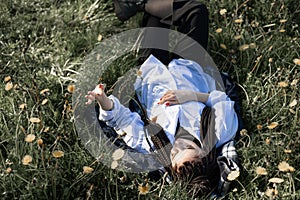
189 18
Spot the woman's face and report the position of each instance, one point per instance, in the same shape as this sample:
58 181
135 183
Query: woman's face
184 150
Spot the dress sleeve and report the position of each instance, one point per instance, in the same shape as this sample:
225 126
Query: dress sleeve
123 120
215 97
226 121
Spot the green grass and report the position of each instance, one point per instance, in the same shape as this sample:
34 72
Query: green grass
44 43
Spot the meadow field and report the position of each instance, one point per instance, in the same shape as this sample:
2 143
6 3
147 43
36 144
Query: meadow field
44 43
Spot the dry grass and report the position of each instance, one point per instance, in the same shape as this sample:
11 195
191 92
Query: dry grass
43 44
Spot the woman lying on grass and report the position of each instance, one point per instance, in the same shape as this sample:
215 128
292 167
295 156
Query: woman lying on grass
198 121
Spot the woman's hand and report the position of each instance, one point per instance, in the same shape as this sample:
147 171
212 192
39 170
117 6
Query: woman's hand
99 95
174 97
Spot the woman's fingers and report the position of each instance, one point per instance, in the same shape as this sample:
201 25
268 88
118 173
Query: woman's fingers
169 98
88 102
90 99
173 97
96 94
90 95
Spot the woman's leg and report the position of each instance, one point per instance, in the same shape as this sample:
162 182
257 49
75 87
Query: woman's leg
192 19
125 9
195 24
159 8
154 38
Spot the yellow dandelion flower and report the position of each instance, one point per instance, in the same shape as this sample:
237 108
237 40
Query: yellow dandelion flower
58 154
293 103
294 82
291 169
243 132
233 175
285 167
259 127
252 45
8 170
276 180
71 88
114 164
292 111
237 37
8 86
44 101
44 91
238 21
29 138
26 160
7 78
46 129
261 171
297 61
219 30
271 192
273 125
22 106
118 154
254 24
139 73
268 141
244 47
99 38
87 170
223 46
40 142
34 120
287 151
282 20
143 189
283 84
223 11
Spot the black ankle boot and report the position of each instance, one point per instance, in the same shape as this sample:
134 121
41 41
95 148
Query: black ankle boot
125 9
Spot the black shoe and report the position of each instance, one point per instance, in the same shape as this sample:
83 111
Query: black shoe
125 9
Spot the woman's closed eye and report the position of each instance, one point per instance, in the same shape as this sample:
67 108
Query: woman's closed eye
189 147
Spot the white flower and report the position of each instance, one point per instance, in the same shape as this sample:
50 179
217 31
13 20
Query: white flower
223 11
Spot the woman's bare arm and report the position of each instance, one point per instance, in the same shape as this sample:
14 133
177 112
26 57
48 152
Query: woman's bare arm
173 97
